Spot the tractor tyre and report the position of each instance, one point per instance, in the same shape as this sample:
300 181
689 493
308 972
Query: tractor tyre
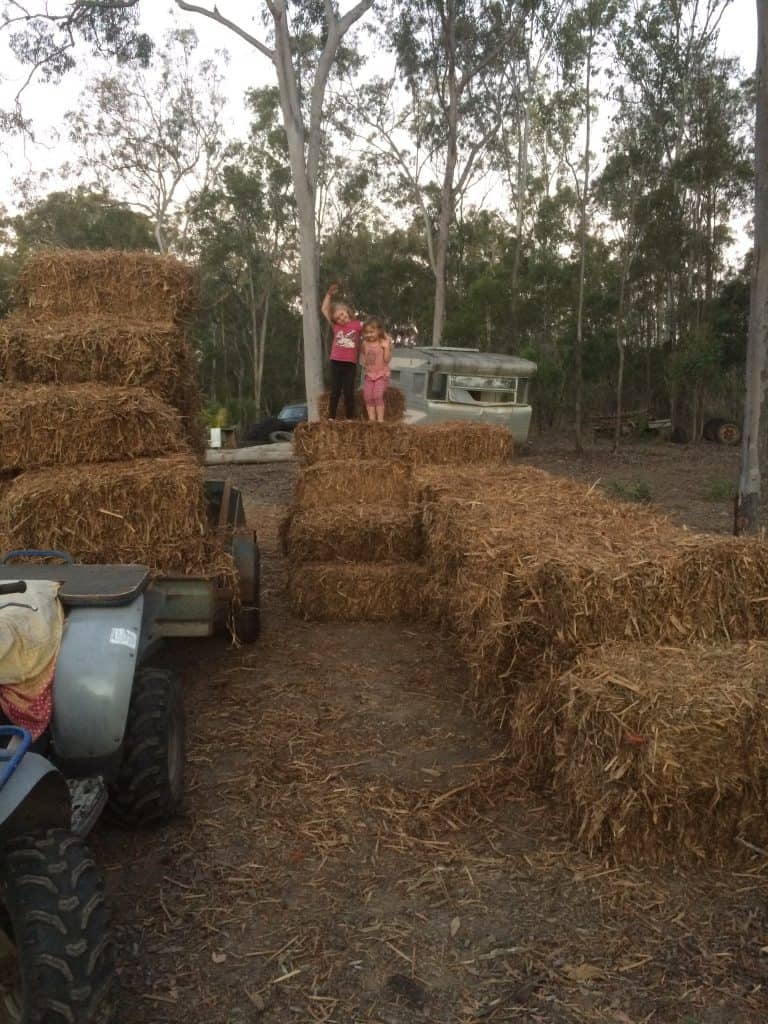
150 784
728 432
57 955
247 616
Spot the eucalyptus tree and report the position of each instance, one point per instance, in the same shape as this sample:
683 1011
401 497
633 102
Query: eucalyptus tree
153 134
451 56
242 232
303 42
748 513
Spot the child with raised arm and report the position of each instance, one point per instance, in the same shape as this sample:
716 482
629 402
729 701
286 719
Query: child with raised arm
344 352
376 352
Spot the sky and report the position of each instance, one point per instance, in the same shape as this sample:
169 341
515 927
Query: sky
46 104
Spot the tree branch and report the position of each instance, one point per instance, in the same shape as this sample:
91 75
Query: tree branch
214 15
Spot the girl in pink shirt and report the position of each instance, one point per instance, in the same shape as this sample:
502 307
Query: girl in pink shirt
344 352
375 354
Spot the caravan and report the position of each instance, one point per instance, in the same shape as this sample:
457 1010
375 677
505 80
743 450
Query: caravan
464 384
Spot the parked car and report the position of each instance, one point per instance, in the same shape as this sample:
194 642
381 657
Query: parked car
277 428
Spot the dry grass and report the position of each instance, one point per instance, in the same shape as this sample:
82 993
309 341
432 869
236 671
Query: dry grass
48 425
661 751
131 285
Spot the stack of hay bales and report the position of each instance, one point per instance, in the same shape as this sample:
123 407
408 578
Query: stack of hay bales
533 574
100 412
354 536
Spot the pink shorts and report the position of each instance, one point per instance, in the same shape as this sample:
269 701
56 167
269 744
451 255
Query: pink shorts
373 390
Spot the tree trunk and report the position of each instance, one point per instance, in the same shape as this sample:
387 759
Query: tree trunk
748 513
579 347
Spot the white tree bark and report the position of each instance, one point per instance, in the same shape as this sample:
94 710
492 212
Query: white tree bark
748 513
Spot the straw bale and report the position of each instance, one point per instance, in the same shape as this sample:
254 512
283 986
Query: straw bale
104 350
66 282
149 511
332 440
46 425
356 591
661 751
354 481
525 593
349 533
460 443
394 405
470 444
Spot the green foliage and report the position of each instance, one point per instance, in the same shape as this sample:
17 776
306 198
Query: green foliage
719 489
81 219
632 490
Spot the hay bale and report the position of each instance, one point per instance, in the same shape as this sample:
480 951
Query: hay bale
354 481
349 533
47 425
661 751
356 592
148 511
131 285
460 443
334 440
526 593
469 444
104 350
394 405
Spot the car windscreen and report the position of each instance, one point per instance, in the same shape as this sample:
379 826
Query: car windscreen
293 413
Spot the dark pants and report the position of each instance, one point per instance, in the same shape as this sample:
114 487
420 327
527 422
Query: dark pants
343 377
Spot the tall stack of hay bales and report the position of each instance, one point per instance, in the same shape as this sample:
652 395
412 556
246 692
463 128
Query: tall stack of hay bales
99 419
354 536
560 601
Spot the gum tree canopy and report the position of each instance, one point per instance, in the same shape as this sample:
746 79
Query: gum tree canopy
304 42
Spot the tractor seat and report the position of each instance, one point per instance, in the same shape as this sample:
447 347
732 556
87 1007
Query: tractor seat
85 585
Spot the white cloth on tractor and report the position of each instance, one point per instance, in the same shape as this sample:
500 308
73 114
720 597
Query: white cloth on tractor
31 627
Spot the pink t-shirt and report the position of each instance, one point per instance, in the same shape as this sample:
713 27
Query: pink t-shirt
346 340
373 360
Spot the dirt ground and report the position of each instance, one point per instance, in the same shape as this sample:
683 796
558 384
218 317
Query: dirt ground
356 848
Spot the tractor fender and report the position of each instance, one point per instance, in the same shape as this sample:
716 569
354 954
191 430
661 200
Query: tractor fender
94 679
36 796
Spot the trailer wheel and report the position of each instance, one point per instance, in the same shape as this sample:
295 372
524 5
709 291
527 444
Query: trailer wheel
150 784
57 958
247 618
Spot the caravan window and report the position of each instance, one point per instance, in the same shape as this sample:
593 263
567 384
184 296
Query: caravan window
494 390
438 386
419 380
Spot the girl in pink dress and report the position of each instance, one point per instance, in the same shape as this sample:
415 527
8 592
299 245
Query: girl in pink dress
375 354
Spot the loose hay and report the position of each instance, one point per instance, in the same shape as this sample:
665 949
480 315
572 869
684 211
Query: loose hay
133 285
394 405
354 481
46 425
446 443
346 533
356 592
147 511
662 752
